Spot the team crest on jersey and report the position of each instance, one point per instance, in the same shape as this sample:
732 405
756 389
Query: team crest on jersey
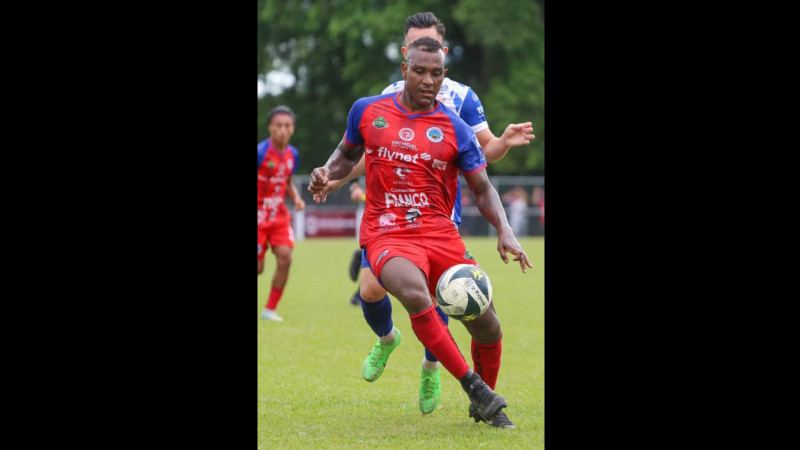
406 134
379 123
289 164
434 134
271 164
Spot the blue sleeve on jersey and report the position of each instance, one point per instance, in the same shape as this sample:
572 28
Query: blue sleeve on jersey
296 155
457 206
353 133
470 157
472 111
262 151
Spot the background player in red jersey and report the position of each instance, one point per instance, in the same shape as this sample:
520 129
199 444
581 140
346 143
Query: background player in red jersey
414 149
277 162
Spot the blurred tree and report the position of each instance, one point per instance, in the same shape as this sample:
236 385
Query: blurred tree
319 56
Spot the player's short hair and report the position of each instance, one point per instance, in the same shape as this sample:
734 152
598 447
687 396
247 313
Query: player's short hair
424 20
280 109
426 44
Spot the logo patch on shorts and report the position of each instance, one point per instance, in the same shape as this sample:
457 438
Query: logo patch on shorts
381 257
468 255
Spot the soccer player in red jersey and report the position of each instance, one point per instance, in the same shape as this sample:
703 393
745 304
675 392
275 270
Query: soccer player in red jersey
414 148
277 162
465 103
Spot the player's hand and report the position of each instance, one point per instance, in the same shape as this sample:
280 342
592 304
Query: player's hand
299 205
317 182
517 134
507 243
332 185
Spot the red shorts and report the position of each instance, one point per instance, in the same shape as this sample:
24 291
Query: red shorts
274 234
432 255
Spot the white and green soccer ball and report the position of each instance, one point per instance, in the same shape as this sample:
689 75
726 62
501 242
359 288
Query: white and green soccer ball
464 292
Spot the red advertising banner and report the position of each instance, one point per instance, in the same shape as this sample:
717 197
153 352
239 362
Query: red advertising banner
330 223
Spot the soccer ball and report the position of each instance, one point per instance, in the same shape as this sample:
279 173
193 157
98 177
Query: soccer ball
464 292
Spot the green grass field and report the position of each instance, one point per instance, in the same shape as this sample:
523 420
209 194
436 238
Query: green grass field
310 390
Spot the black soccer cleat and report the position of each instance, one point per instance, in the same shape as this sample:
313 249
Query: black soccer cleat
355 265
487 402
501 420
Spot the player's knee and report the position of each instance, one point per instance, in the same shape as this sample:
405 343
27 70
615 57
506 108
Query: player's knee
414 300
486 328
284 260
371 290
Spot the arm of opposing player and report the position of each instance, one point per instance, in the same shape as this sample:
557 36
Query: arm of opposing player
488 203
495 148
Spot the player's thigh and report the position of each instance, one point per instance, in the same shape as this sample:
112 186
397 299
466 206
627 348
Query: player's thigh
408 283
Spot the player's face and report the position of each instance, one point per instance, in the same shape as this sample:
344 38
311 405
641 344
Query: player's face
416 33
424 73
281 128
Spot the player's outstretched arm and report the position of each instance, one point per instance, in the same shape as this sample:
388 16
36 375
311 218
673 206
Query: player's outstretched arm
495 148
488 203
333 185
339 166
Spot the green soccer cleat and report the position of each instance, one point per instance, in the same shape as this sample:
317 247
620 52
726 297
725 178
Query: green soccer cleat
429 390
375 362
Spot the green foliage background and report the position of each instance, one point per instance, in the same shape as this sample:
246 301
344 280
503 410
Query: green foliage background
336 49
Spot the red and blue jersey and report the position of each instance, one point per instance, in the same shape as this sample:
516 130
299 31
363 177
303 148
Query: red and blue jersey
466 104
274 170
412 162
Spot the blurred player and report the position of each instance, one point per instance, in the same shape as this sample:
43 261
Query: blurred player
357 195
277 162
464 102
414 147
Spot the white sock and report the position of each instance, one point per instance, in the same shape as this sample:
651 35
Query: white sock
389 338
429 365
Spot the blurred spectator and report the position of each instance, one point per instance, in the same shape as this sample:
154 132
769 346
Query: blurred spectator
537 199
517 201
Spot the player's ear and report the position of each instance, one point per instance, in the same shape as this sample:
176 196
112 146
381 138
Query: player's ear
403 68
445 50
403 50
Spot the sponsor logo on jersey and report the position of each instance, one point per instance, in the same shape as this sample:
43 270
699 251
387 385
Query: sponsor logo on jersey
434 134
369 150
402 172
425 156
417 200
444 87
387 219
290 163
412 215
442 165
383 152
271 164
379 123
475 96
406 134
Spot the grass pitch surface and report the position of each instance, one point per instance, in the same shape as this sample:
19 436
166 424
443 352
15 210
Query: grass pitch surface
310 390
